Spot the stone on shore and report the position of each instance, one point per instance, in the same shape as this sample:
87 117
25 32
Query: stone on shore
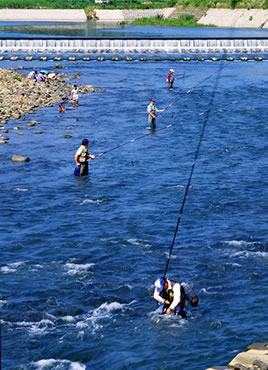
255 358
19 158
247 359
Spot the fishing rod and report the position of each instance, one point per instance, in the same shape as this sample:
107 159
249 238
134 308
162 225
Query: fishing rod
207 114
132 141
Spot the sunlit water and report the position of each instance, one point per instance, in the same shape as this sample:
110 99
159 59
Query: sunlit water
80 255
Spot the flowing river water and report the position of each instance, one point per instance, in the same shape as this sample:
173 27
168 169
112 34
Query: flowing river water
80 255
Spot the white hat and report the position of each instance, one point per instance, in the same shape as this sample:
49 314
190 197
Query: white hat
159 284
171 70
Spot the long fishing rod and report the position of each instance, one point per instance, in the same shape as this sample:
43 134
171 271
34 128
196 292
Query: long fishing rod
132 141
207 113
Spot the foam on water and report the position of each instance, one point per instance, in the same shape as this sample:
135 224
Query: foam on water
248 254
143 243
52 364
77 269
240 243
12 267
92 201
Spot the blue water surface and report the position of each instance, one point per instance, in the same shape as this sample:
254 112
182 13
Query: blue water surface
80 255
93 29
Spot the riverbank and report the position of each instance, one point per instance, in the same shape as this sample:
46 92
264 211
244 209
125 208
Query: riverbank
229 18
36 95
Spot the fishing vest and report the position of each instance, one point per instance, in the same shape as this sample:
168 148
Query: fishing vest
152 108
83 156
168 294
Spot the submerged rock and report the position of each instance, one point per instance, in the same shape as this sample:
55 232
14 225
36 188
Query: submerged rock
19 158
32 123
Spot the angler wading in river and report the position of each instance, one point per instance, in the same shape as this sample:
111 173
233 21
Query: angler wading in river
81 159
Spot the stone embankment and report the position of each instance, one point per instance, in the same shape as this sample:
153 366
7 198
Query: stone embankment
255 358
236 18
233 18
129 15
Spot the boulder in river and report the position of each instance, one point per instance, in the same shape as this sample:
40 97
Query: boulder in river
19 158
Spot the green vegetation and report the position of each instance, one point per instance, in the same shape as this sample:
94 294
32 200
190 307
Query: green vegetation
88 5
238 4
185 20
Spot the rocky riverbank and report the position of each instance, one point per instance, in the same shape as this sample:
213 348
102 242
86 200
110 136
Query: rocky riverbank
36 95
255 358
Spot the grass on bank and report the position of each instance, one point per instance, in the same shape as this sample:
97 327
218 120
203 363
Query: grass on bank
185 20
88 5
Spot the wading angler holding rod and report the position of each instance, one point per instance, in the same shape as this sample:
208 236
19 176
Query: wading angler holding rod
162 128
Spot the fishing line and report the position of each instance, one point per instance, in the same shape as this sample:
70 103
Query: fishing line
207 114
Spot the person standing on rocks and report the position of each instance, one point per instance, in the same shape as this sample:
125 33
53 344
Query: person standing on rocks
152 110
21 100
81 159
170 79
75 96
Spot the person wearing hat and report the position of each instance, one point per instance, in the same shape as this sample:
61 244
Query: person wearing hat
170 79
81 159
174 295
152 110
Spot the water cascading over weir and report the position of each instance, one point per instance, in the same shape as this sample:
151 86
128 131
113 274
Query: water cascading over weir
135 45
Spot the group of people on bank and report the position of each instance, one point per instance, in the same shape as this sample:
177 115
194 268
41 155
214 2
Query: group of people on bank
43 75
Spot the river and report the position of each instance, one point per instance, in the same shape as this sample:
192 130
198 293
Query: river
80 255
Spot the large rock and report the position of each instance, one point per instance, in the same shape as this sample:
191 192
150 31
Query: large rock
19 158
255 358
247 359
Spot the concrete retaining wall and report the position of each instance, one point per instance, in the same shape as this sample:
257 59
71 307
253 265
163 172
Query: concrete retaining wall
42 15
236 18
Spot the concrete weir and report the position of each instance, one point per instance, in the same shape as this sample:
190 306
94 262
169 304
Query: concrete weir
135 45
